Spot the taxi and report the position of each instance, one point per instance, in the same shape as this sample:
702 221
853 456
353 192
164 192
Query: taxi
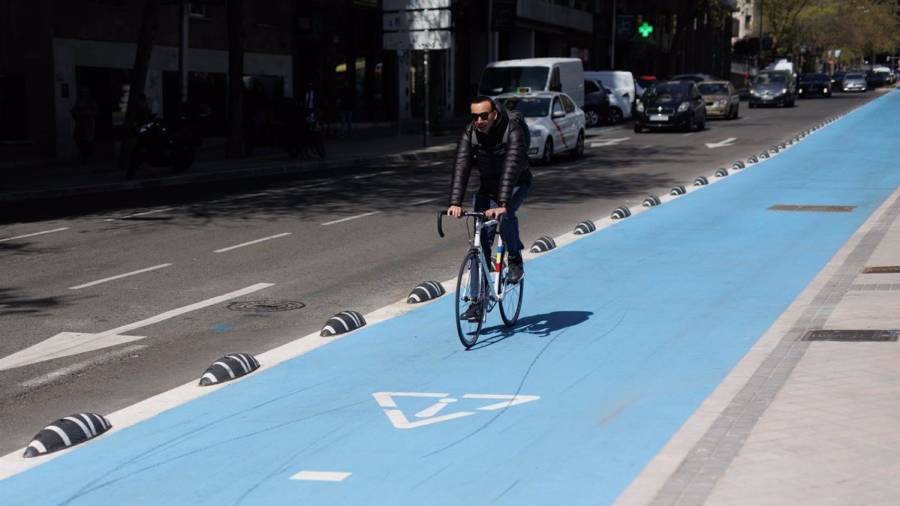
555 123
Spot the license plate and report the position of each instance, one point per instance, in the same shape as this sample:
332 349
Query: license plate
659 117
767 98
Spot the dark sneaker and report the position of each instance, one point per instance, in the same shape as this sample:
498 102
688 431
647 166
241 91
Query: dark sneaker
473 313
515 272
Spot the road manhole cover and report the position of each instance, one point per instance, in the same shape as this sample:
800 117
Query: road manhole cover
265 306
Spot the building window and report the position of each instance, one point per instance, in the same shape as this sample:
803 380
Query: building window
197 10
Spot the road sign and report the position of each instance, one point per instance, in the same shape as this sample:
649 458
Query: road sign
429 415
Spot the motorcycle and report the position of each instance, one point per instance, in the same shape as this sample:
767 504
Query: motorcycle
167 143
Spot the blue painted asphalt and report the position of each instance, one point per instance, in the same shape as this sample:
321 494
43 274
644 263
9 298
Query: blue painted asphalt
623 335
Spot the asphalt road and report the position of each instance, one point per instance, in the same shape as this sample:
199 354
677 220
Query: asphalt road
357 239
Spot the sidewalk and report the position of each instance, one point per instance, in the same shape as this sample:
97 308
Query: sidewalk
32 179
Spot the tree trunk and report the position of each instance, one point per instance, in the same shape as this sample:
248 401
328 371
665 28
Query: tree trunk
149 25
234 146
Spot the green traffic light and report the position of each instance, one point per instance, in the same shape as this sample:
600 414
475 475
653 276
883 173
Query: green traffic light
646 29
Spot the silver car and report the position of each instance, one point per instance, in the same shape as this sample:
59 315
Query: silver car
854 82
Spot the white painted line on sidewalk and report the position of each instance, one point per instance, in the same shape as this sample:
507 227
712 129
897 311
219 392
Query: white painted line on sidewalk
236 246
111 278
420 202
320 476
350 218
34 234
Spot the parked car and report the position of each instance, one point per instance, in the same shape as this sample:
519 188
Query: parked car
564 75
596 103
621 84
697 78
773 87
721 99
814 84
675 104
854 81
878 77
555 123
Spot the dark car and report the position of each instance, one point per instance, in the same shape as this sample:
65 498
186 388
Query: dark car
875 79
596 103
773 87
836 79
814 84
697 78
675 104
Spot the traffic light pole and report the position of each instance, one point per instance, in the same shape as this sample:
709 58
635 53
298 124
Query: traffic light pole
612 39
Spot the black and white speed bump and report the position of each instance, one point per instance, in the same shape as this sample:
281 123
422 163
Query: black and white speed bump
426 291
620 213
66 432
651 201
701 181
738 165
584 227
678 190
228 368
345 321
721 172
543 244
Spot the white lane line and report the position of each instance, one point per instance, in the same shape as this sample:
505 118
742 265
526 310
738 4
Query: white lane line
383 173
687 134
320 476
34 234
132 273
420 202
350 218
145 213
648 146
236 246
79 366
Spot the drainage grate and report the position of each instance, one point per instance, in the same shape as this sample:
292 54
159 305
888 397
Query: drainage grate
814 209
265 306
882 269
852 336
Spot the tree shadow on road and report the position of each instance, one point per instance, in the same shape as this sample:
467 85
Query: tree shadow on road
13 302
539 325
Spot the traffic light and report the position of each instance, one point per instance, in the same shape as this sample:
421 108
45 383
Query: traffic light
645 29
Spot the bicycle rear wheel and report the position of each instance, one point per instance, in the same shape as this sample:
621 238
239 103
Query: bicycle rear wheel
469 330
512 294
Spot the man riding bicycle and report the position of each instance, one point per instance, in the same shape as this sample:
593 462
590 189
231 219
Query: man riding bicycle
496 141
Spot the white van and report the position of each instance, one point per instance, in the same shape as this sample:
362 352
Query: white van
533 75
621 84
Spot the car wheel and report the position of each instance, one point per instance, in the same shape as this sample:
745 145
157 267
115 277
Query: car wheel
578 152
737 112
591 117
548 152
701 125
615 115
638 128
750 105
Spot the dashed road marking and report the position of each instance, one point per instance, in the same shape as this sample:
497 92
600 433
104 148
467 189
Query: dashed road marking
34 234
120 276
248 243
363 215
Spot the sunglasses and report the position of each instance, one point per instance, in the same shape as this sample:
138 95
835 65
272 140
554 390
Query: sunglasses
483 115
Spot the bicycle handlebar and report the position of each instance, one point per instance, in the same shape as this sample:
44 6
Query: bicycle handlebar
465 214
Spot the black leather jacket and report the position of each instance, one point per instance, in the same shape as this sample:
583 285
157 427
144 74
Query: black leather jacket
501 156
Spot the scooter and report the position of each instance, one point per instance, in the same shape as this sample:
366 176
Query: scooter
167 143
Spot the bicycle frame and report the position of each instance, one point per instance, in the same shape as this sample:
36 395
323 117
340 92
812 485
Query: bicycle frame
493 281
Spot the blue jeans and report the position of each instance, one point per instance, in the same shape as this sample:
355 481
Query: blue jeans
509 229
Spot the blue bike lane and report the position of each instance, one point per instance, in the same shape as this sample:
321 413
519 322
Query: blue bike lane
623 334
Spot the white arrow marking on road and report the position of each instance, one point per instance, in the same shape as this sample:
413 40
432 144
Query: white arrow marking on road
399 420
609 142
721 144
66 344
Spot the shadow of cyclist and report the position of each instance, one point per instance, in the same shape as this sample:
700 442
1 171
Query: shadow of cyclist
540 325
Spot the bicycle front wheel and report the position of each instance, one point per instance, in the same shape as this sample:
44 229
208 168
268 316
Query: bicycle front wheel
471 295
512 294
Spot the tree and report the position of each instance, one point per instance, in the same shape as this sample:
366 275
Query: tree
149 25
234 144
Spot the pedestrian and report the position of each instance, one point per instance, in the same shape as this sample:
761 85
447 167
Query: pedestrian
85 115
348 104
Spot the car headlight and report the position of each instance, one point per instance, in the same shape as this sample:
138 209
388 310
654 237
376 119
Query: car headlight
721 103
753 92
684 106
783 91
639 106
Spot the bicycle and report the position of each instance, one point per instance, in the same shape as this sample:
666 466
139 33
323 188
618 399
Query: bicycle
474 285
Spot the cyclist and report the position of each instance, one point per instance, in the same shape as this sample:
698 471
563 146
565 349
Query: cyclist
496 141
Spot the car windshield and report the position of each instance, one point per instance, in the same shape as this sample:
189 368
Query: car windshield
812 78
769 79
530 107
713 89
666 92
854 76
496 80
